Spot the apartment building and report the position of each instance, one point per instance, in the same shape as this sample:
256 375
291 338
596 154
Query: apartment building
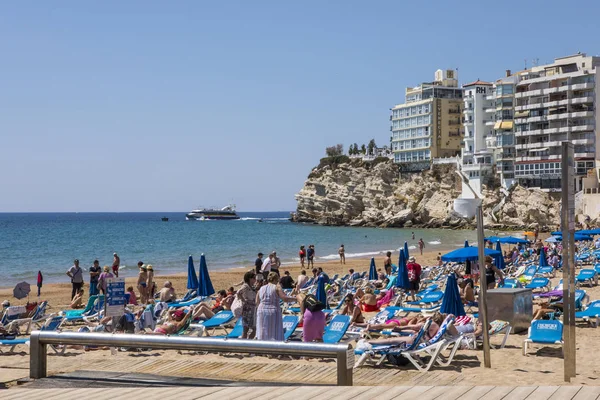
555 103
428 125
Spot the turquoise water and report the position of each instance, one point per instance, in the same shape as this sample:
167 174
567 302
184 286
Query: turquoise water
50 241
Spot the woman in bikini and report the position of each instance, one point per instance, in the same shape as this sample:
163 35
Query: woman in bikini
369 301
352 309
175 322
436 321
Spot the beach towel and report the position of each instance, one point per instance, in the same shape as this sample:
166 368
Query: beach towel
385 300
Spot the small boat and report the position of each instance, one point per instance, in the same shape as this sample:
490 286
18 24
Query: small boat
164 219
201 214
260 220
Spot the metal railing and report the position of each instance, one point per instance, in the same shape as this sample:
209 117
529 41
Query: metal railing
38 361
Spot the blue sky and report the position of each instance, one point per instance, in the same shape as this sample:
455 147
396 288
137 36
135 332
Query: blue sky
163 106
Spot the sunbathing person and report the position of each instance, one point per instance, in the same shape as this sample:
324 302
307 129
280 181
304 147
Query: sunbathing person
77 301
202 312
352 309
176 320
369 301
437 320
414 323
541 311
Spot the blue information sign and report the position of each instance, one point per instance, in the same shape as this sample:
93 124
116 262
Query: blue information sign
115 297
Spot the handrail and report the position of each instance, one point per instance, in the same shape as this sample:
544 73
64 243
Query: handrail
38 362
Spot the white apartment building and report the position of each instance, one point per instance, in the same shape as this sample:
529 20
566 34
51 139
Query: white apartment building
556 103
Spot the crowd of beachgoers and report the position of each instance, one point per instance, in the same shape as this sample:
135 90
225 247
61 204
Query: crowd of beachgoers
400 313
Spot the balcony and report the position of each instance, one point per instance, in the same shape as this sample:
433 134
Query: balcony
584 155
467 111
581 86
578 128
490 110
505 157
553 157
489 122
469 122
581 100
583 141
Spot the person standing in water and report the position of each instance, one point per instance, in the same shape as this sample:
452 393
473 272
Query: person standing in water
421 245
310 255
342 253
413 236
115 265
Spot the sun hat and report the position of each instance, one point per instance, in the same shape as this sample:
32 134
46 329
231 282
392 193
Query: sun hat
178 313
149 268
143 267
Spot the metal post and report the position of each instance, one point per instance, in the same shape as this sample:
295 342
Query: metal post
38 357
568 243
483 318
345 366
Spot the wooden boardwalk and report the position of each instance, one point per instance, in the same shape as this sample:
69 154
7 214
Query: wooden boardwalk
326 392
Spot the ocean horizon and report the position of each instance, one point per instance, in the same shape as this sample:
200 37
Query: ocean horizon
49 242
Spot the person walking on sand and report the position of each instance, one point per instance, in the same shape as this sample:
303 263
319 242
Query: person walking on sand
342 253
387 263
142 283
276 263
414 276
247 295
266 266
302 255
269 321
95 271
150 285
421 245
115 265
76 275
102 279
310 255
258 263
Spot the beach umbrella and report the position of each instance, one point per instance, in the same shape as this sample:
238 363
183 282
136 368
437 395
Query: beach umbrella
321 293
205 287
552 239
40 280
492 239
513 240
192 282
402 281
543 261
372 270
500 259
452 303
406 251
21 290
468 254
466 243
592 232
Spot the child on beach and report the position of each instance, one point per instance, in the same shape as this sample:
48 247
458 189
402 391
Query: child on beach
302 254
310 255
132 296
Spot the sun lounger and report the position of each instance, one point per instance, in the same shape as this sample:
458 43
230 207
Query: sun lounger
51 324
187 303
290 323
431 302
545 272
592 311
511 283
77 315
220 320
544 332
587 276
88 308
498 328
236 332
377 354
539 283
336 329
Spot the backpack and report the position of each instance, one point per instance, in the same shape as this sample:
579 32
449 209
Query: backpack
312 304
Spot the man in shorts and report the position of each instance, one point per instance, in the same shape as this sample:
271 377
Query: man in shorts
414 276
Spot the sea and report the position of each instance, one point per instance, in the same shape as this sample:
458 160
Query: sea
49 242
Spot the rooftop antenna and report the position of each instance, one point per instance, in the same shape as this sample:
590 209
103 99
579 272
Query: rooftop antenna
525 63
536 62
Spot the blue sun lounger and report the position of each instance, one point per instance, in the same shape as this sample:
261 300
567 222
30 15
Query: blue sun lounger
236 332
430 302
290 323
335 331
539 283
544 332
591 311
51 324
511 283
546 272
219 320
587 276
93 307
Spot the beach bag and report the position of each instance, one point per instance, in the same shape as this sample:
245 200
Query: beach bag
236 307
312 304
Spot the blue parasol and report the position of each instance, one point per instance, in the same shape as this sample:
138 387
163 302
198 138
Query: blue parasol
513 240
372 270
468 254
592 232
543 261
492 239
500 260
452 303
321 294
192 282
205 287
402 281
406 250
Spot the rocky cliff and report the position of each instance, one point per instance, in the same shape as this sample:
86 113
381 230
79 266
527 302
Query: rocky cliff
341 191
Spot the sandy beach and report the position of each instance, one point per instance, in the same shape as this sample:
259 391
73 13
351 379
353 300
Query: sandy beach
543 365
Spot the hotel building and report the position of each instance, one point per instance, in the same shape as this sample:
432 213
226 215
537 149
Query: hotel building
428 125
556 103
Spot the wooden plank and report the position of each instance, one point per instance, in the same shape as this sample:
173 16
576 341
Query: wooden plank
476 392
542 393
274 393
414 392
453 392
519 393
306 392
498 392
565 392
375 392
588 393
252 393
